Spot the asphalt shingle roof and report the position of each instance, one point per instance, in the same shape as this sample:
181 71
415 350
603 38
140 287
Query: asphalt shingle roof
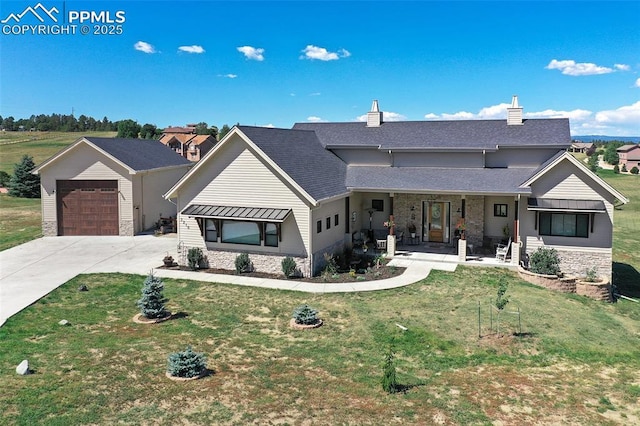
300 155
463 134
140 154
436 179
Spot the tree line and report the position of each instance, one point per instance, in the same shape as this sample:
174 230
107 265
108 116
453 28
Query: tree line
69 123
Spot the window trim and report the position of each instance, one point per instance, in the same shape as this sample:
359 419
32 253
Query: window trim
498 210
588 225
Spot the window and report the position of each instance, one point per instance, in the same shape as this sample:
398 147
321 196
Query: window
271 234
335 220
500 210
237 232
564 224
210 230
328 220
319 226
377 205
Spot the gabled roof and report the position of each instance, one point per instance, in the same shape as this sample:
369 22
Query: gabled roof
627 148
448 135
301 156
296 155
565 156
438 180
187 129
136 155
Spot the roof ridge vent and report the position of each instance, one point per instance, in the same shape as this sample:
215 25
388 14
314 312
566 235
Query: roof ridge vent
514 113
374 117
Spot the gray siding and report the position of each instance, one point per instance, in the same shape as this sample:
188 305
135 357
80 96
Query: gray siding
237 177
506 157
437 159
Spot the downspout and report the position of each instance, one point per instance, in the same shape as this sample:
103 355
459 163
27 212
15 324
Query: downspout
391 155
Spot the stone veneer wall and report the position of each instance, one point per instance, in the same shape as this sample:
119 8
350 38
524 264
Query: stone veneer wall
269 263
126 228
474 206
576 263
50 228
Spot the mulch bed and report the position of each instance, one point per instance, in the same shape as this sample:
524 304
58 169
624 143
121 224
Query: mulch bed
370 274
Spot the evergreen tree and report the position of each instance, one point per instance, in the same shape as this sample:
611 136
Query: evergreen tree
23 183
152 302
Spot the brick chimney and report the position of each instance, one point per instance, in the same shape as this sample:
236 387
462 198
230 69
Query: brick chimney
514 113
374 117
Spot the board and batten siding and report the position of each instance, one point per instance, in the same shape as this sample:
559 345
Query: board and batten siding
237 177
149 188
85 163
327 239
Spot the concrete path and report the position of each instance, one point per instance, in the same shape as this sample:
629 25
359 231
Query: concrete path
32 270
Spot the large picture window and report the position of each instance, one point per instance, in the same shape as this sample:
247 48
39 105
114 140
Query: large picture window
238 232
564 224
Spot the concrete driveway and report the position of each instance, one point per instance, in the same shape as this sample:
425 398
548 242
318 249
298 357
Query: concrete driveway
32 270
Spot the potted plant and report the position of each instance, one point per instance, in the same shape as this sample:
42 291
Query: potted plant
460 228
168 260
390 224
411 228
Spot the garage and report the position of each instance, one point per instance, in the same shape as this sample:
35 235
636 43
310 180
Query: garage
87 207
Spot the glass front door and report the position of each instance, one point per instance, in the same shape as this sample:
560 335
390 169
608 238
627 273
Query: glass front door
435 222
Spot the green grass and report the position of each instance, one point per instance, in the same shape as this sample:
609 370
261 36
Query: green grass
576 361
626 232
39 145
20 220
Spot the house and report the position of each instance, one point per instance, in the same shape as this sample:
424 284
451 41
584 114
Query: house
108 186
305 191
629 156
187 143
582 147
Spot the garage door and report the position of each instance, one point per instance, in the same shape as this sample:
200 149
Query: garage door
87 207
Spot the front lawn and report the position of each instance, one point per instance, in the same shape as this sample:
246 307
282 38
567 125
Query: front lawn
576 362
20 220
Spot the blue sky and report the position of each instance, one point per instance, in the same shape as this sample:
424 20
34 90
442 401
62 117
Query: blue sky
277 63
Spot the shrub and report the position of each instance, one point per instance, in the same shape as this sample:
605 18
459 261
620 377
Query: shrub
634 170
501 300
305 315
331 265
545 261
152 302
624 168
195 257
186 363
616 169
23 183
389 380
289 267
591 276
243 263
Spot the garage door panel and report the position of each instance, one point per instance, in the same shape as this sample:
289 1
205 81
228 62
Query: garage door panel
88 207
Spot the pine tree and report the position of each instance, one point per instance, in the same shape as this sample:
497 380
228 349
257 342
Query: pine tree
152 302
23 183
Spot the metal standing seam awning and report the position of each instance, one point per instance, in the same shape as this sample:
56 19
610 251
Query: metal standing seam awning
260 214
565 205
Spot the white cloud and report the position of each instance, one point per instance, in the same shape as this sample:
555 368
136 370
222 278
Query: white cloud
270 125
570 67
315 119
322 54
227 75
622 67
255 53
386 116
624 115
145 47
314 94
637 84
192 49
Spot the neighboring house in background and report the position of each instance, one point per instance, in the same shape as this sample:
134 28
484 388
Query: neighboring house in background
187 143
582 147
108 186
629 156
305 191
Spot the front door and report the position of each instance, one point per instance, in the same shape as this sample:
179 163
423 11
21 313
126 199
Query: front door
436 221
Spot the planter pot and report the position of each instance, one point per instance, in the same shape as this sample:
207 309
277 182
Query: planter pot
413 234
